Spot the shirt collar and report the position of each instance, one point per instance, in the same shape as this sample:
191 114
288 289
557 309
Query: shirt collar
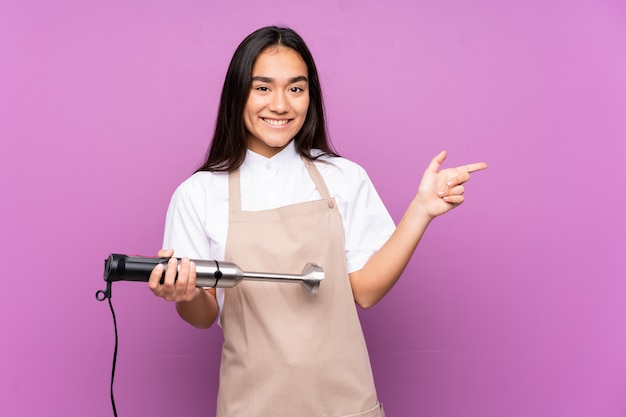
284 158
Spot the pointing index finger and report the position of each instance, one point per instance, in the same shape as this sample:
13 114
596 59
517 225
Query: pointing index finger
477 166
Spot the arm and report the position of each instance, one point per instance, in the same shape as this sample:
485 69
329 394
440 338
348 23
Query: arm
438 193
185 231
197 306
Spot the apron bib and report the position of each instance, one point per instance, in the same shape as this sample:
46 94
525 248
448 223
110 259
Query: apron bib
286 353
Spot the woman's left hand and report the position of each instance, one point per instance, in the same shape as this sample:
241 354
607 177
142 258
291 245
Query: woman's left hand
441 191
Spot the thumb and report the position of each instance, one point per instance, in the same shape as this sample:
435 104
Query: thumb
165 253
436 162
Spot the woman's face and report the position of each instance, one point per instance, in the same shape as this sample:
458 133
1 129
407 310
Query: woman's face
278 100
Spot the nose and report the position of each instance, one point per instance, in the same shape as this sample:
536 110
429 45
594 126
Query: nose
279 102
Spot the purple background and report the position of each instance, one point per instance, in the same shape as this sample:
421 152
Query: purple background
514 305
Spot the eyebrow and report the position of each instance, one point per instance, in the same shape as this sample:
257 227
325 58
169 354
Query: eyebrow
270 80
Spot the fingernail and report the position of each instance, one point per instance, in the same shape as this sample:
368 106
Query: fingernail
440 193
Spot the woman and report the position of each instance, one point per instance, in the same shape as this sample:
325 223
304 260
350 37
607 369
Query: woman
272 196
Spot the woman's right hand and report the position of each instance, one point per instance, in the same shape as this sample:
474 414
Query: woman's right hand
181 289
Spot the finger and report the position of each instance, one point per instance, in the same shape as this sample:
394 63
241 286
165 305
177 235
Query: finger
165 253
191 289
454 199
155 277
183 278
478 166
462 178
170 275
436 162
457 190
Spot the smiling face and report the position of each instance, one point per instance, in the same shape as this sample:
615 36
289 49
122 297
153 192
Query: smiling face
278 102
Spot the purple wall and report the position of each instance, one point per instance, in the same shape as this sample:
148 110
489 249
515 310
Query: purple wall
514 305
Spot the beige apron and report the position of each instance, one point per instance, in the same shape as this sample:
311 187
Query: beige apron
286 353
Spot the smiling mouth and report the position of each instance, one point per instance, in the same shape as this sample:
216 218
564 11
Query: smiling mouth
277 123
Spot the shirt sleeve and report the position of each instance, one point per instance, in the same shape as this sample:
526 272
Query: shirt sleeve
367 223
184 224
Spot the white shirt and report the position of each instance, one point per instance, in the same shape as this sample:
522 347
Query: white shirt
197 218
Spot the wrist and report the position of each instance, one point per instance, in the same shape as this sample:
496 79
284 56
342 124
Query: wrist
418 213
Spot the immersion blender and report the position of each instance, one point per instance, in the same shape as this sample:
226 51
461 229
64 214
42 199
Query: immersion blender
209 274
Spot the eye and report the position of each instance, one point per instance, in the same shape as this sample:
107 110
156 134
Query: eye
296 89
262 88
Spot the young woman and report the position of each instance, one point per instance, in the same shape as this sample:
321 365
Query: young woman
272 196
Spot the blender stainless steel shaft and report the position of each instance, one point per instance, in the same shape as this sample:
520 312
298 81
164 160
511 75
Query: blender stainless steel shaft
209 274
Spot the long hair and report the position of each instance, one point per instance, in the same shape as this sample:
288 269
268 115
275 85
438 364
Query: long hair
228 146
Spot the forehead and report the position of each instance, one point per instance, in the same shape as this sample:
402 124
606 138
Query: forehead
279 62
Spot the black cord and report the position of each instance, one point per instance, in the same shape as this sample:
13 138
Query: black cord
106 294
114 358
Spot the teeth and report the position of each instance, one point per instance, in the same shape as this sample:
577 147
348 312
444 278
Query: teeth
275 122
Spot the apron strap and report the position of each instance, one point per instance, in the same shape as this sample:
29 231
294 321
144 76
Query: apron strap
234 192
317 179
